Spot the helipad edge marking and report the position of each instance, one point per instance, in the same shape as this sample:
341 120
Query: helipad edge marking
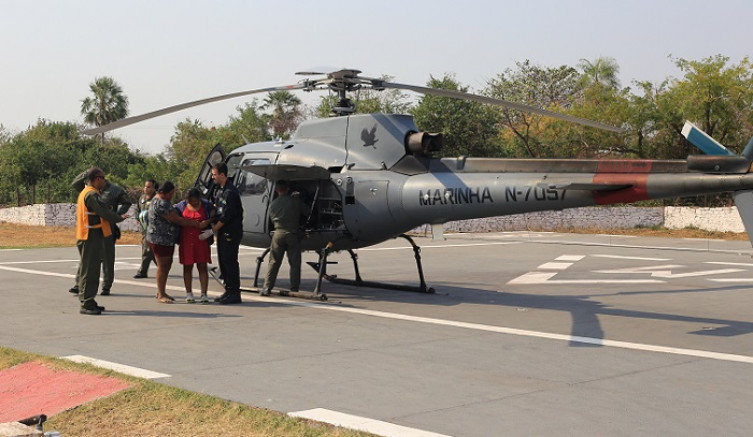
122 368
362 423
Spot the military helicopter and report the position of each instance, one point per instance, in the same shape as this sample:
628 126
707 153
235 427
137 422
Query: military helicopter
369 178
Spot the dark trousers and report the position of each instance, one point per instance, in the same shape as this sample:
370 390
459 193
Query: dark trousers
108 263
284 242
91 252
227 251
147 257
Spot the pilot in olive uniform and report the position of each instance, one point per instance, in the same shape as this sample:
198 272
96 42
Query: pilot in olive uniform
285 212
93 220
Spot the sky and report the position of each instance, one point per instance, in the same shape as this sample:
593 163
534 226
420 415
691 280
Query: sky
164 52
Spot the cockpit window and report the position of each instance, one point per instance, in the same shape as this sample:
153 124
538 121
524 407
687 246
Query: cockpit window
233 164
249 183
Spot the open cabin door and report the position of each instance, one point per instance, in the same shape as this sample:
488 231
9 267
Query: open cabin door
204 181
315 188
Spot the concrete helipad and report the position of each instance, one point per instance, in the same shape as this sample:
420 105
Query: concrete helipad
527 334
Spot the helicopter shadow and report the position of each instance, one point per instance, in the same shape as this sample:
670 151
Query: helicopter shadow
585 309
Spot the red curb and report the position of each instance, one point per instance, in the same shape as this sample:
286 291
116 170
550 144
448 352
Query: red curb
33 388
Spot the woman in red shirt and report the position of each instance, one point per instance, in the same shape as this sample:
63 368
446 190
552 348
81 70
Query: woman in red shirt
192 249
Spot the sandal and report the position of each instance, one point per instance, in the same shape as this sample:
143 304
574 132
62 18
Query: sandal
164 299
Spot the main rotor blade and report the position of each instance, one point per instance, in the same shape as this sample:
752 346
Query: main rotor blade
170 109
498 102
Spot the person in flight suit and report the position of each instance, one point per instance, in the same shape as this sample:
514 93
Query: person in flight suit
229 231
147 257
116 199
93 220
285 212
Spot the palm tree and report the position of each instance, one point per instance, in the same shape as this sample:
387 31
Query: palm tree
107 105
602 72
286 112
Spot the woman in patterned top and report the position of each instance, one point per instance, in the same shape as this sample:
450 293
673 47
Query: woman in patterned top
162 234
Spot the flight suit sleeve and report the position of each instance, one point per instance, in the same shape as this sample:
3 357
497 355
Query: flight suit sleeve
95 205
79 182
124 201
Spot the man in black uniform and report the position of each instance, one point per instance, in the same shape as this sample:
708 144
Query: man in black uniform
229 230
115 199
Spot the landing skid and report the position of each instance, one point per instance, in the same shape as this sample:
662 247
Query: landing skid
214 272
321 268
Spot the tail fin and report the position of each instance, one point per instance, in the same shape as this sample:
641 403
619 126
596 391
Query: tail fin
744 202
703 141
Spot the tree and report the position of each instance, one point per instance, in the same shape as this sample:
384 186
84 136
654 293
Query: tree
600 73
286 113
547 88
715 95
107 104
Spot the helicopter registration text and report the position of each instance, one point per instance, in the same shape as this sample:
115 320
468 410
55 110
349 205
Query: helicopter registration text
513 194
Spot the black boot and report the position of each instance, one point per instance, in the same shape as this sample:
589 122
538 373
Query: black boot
231 298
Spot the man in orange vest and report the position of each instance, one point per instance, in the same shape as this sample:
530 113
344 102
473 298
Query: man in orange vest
93 220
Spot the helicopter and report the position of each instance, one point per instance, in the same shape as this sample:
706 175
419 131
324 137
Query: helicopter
368 178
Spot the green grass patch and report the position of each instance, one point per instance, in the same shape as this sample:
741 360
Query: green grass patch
148 408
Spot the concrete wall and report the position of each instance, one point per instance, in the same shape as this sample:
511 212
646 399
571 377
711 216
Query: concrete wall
55 214
712 219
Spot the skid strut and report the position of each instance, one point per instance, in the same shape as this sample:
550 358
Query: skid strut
321 267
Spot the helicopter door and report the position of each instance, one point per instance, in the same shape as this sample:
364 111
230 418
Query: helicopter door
255 192
204 181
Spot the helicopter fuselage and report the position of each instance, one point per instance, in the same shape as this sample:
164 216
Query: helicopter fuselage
365 184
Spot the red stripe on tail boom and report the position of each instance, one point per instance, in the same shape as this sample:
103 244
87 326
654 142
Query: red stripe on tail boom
619 172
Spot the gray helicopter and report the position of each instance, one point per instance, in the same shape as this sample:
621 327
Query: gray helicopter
369 178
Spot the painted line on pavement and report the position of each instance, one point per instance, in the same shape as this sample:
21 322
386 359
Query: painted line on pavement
570 258
500 243
358 423
729 263
465 325
539 278
639 258
554 266
122 368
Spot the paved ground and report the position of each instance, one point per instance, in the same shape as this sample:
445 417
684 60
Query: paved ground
526 335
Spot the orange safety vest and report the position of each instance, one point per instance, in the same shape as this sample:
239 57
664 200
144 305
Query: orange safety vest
86 219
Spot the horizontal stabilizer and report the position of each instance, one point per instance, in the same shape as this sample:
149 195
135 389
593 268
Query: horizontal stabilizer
288 172
744 203
703 141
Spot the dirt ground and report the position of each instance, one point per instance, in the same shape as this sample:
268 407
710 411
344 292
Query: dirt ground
18 236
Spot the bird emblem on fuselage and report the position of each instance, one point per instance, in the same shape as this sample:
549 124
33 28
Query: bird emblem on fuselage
369 137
